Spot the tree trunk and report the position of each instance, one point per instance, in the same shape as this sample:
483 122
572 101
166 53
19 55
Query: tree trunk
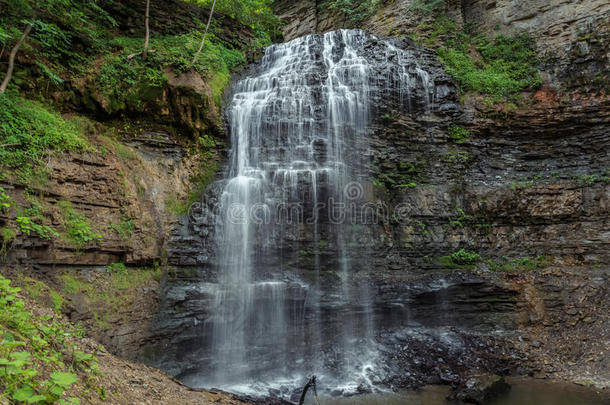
147 37
11 59
207 27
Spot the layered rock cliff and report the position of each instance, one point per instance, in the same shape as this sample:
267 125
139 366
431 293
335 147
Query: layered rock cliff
524 187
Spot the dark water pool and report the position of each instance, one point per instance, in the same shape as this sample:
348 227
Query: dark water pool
523 392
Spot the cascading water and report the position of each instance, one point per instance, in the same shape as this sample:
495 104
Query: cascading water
299 131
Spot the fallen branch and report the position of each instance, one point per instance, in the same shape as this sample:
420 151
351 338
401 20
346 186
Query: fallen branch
310 383
7 145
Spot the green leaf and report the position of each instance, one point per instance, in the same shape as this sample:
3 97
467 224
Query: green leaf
36 398
23 394
62 379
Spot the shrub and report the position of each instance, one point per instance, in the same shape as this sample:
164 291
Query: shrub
463 256
6 202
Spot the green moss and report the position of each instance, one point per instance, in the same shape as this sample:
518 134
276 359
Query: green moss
117 268
458 134
455 157
404 175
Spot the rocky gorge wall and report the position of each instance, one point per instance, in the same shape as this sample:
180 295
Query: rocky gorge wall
526 189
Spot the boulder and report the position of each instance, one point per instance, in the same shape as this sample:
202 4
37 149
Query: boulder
480 389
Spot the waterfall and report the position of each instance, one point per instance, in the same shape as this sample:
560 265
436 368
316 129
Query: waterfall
299 125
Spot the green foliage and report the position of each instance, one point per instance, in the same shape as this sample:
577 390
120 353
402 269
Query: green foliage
458 134
456 157
30 133
590 179
65 33
520 263
77 226
459 221
27 345
356 11
256 14
124 228
6 202
405 175
117 268
8 235
465 257
462 259
132 81
28 227
506 66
